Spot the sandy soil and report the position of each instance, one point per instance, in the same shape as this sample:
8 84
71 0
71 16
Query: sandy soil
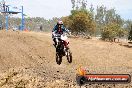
27 60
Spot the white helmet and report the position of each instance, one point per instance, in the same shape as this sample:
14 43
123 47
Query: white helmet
60 23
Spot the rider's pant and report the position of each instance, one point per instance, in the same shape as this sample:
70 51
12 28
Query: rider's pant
55 41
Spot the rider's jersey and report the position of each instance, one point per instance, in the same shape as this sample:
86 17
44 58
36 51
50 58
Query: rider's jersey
58 30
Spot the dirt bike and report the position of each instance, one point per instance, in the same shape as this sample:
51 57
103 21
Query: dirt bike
62 50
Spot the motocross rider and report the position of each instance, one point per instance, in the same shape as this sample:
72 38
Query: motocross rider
59 29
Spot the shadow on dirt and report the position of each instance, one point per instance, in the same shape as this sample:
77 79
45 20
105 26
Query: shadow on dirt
129 45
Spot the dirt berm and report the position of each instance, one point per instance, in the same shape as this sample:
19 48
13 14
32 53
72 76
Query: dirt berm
27 60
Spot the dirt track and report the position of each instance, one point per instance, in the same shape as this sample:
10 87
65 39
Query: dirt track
27 59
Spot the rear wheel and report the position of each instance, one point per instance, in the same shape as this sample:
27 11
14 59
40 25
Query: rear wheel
69 56
58 59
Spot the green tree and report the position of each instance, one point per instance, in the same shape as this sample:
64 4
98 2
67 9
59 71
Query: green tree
130 34
67 21
73 4
100 18
104 17
111 31
81 21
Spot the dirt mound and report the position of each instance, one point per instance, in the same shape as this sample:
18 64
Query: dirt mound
27 59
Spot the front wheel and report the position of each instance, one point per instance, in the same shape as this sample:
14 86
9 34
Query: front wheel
58 59
69 56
